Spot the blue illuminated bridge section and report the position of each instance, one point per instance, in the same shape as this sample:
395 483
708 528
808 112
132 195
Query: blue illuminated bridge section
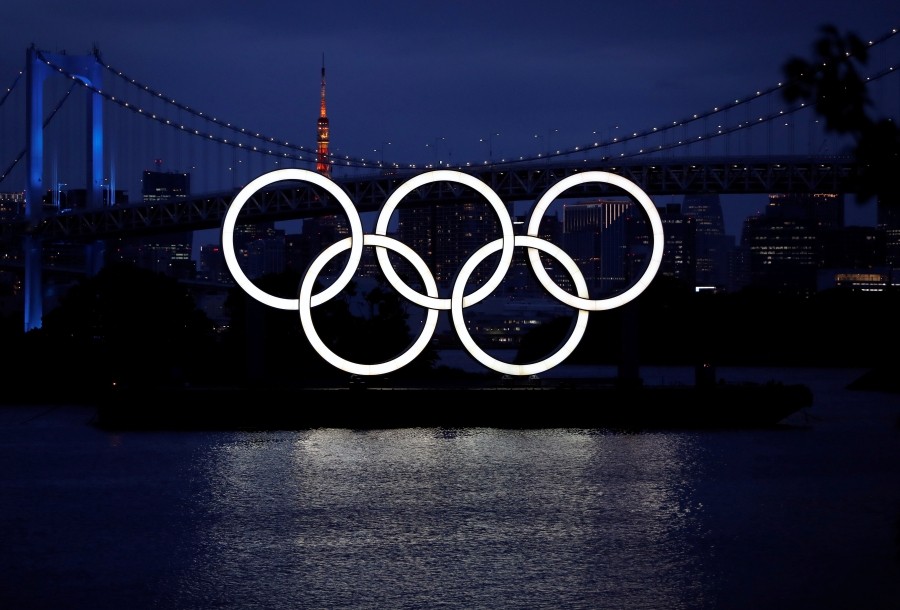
294 200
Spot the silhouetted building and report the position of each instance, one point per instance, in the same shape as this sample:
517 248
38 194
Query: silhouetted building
787 244
520 282
713 247
819 210
167 253
212 265
446 235
319 233
259 248
159 186
65 255
680 233
738 268
265 255
596 236
12 205
63 200
853 247
888 220
858 280
11 293
854 258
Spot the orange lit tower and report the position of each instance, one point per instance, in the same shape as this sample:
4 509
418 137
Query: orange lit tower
322 165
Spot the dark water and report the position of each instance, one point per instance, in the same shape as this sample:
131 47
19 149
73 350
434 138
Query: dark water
807 516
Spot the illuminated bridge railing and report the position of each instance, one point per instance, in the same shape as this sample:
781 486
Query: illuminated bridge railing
746 175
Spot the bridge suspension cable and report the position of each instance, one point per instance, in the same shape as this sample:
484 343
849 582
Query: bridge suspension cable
741 101
678 134
267 140
46 123
10 89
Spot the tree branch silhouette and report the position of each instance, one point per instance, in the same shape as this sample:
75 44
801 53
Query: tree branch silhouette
832 82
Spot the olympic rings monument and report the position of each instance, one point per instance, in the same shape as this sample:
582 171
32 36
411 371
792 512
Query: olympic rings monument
459 299
592 404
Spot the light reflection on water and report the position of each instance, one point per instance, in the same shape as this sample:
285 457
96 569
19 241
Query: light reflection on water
802 517
477 518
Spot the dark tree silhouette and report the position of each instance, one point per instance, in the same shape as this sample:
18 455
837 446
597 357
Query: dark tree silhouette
124 325
269 345
832 82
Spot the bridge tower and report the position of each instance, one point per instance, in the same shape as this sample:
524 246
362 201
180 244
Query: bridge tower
322 164
87 69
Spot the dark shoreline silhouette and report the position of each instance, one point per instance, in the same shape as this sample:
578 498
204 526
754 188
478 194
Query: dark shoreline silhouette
561 404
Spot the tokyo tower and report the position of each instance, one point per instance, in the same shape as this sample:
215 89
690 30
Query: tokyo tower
322 165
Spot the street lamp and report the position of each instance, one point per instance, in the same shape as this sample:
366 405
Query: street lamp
490 146
434 150
383 144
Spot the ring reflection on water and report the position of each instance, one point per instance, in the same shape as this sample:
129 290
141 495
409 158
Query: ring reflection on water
803 516
343 518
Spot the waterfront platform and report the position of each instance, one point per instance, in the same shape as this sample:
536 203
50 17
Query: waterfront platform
505 403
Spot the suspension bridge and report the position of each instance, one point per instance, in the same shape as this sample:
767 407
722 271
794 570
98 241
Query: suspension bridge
78 122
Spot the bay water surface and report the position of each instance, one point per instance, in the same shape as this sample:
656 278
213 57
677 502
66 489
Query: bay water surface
806 515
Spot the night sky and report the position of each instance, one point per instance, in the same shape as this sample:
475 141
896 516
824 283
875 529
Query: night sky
424 81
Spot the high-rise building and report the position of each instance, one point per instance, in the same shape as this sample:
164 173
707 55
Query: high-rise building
821 210
212 265
786 245
596 235
266 255
319 233
159 186
520 281
259 248
679 250
713 247
446 235
12 205
167 253
854 258
889 221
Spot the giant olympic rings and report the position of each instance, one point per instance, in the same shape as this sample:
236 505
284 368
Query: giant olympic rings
458 299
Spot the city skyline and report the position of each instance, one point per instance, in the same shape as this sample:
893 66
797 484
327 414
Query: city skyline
477 85
236 175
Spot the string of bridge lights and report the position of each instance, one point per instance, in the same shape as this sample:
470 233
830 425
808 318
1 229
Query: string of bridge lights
348 161
180 125
9 90
11 87
49 118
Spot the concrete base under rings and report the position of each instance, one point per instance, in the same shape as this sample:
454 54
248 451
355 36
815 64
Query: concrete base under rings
561 405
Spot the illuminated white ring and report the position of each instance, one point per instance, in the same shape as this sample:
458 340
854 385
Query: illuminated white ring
356 233
638 287
506 238
306 313
456 302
